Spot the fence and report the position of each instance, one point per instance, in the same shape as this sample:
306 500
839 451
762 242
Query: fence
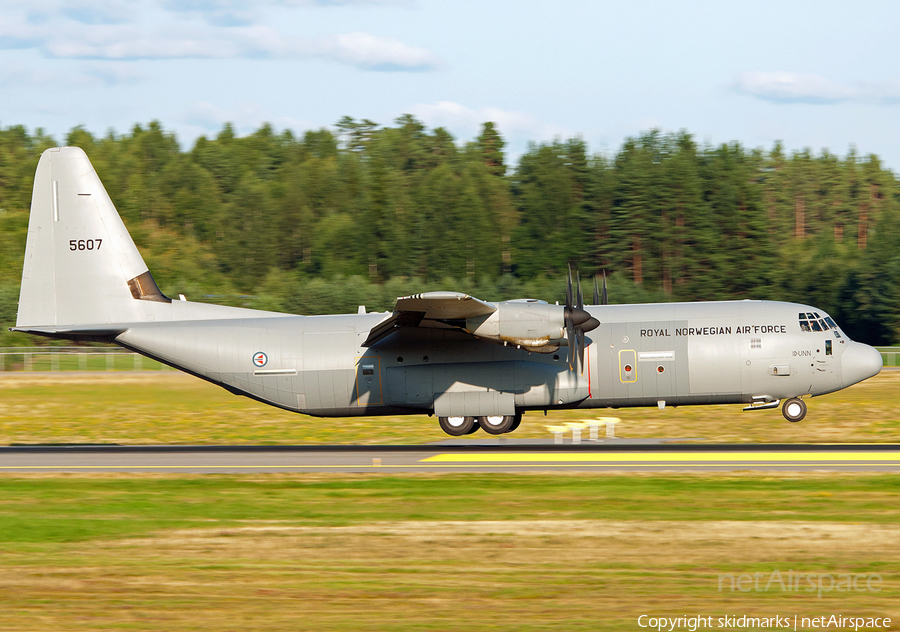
119 359
890 356
75 359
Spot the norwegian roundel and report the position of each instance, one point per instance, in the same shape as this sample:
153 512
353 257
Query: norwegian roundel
260 358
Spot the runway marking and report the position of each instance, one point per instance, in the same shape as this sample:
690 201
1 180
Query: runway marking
670 457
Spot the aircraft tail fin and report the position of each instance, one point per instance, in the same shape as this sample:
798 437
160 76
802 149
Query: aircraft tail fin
81 265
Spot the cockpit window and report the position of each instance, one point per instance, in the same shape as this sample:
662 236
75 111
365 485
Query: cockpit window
811 321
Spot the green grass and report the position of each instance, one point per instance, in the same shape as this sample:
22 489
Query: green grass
170 407
437 552
65 509
97 361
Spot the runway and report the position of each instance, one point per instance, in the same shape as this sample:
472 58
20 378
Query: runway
472 457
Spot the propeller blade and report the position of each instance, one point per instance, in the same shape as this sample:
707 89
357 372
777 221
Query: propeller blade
604 297
577 321
580 301
596 291
571 337
579 334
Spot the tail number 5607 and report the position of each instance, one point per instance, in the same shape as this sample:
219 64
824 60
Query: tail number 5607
85 244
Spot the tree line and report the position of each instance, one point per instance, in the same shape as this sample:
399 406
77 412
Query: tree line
360 214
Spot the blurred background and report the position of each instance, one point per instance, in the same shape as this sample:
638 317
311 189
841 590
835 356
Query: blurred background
359 213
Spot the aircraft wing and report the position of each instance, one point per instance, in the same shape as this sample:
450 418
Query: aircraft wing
436 307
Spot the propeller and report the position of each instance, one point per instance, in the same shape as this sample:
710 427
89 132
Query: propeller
579 331
578 321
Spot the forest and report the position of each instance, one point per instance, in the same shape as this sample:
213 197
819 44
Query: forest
359 214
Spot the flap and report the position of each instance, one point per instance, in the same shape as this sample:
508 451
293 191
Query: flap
410 311
444 305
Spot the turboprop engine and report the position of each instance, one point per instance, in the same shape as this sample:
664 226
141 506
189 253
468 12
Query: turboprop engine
530 324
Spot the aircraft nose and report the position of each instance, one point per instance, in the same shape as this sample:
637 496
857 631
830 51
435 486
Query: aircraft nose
859 362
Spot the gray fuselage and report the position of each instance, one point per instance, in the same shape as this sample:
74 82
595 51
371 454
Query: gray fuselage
640 355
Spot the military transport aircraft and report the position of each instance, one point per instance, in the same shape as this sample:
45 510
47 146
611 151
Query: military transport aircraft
474 364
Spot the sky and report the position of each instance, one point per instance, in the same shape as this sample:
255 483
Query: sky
818 75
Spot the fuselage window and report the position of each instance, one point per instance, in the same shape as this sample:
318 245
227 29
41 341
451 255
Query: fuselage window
827 347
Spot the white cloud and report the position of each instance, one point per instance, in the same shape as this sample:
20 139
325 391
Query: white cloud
361 50
133 42
371 52
466 122
793 87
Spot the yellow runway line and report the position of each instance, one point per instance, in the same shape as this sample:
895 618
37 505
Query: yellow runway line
668 457
414 466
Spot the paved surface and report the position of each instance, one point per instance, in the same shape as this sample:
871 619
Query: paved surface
475 456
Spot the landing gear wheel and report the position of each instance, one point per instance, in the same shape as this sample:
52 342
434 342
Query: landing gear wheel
794 409
498 424
517 422
457 426
475 428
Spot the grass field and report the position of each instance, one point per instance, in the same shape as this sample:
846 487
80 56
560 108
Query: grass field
449 552
170 407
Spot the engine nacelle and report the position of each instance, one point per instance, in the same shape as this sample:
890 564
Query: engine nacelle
531 324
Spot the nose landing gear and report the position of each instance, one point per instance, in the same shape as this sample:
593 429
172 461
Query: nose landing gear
794 409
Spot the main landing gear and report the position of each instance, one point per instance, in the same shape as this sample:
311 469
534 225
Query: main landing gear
794 409
493 424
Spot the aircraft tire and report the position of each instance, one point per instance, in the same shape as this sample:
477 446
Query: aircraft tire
517 422
457 426
475 428
496 424
794 409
